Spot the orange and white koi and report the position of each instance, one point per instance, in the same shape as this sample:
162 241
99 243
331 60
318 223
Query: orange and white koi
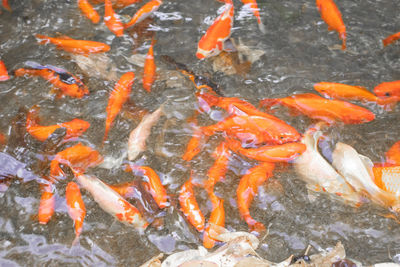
332 16
218 170
248 188
149 71
111 202
74 46
3 72
76 208
391 39
75 127
388 178
327 110
77 157
212 42
252 4
112 20
138 137
89 11
393 154
68 84
144 12
117 98
189 206
278 153
217 217
47 203
6 5
153 184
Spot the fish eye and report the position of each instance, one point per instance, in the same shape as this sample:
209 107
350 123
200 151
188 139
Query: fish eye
387 94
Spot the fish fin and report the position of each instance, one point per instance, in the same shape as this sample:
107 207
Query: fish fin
229 46
65 37
268 103
43 39
330 28
262 28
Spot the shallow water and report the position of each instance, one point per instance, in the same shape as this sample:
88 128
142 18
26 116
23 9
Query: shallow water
299 52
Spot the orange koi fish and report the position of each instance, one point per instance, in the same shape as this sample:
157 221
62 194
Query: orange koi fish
256 11
387 178
248 188
3 72
388 89
6 5
327 110
117 98
75 127
218 170
217 217
77 157
118 3
190 207
332 16
74 46
89 11
76 208
68 84
47 203
278 153
111 202
391 38
144 12
153 184
112 20
212 42
254 130
393 154
195 144
149 72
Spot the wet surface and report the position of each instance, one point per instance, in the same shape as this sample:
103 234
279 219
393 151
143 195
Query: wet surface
299 51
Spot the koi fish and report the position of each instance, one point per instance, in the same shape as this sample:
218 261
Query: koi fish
47 203
117 98
252 4
77 157
254 130
388 89
75 127
327 110
118 3
217 217
278 153
388 178
195 144
74 46
88 10
332 16
153 184
319 175
189 206
111 202
68 84
144 12
391 39
3 72
248 188
393 154
149 71
6 5
112 20
357 170
218 170
138 137
212 42
76 208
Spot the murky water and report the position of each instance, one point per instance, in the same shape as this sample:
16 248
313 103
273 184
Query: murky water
299 52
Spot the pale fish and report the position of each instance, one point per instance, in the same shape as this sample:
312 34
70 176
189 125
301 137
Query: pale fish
137 138
111 202
358 172
97 65
319 174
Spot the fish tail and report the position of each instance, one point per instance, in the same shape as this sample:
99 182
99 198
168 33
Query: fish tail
342 36
43 39
261 27
268 102
32 118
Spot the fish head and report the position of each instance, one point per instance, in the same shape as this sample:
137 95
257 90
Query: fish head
384 91
78 127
